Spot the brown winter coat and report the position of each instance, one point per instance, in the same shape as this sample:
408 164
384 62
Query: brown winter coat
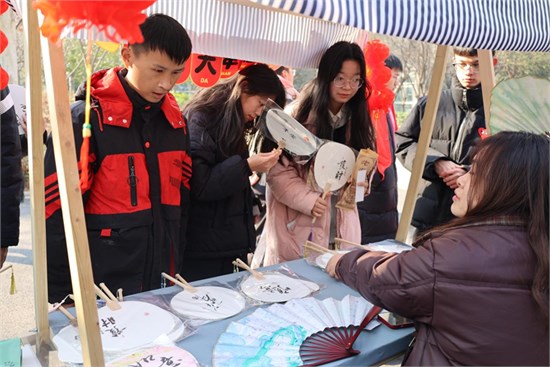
468 289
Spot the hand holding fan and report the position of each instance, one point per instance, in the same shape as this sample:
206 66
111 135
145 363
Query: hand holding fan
287 133
332 169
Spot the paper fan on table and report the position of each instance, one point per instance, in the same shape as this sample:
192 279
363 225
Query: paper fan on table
521 105
276 287
272 336
208 303
135 325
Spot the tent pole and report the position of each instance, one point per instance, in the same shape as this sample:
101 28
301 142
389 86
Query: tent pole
487 76
71 203
36 175
434 94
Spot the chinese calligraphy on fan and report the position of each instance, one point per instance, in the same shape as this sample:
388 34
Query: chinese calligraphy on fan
152 361
275 288
108 325
209 301
342 167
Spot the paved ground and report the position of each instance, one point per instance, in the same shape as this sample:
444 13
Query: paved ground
17 311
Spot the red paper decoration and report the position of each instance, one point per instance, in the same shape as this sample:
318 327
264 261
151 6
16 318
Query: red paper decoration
118 20
378 75
205 70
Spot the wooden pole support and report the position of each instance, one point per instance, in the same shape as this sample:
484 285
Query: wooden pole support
434 95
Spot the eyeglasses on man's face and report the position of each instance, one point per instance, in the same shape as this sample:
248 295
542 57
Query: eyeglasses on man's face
341 82
464 66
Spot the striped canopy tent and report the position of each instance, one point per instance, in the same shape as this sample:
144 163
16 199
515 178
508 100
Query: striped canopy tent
289 32
296 32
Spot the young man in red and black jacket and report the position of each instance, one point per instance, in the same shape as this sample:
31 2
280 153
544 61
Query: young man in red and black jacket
136 202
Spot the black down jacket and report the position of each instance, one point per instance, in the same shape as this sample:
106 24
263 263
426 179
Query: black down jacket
457 127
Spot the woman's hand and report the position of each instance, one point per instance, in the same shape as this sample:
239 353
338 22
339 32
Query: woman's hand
262 162
331 265
319 207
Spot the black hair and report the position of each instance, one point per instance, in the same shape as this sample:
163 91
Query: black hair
280 69
393 62
467 51
313 102
222 104
165 34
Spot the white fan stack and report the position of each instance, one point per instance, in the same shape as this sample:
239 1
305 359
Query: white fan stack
272 336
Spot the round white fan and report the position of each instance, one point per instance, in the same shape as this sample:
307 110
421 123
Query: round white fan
272 336
284 130
134 325
333 165
209 303
521 104
276 288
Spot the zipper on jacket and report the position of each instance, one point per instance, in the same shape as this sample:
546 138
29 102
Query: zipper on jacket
132 181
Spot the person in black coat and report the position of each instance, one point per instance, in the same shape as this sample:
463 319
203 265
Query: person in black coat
221 224
12 176
459 123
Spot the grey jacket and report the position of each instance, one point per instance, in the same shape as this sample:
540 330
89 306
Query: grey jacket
467 289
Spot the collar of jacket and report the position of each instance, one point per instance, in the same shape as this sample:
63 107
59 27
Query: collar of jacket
466 99
117 107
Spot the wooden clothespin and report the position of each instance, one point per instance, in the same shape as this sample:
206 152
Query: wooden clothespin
241 264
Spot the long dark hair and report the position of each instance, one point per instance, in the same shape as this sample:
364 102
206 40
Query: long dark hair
510 178
222 104
314 99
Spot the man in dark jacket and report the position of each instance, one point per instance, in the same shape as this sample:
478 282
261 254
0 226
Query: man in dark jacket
12 176
136 203
460 122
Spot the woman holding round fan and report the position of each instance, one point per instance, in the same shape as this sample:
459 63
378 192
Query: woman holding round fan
476 287
333 107
221 224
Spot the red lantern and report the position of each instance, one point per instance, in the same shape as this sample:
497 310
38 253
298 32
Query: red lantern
185 74
205 70
230 67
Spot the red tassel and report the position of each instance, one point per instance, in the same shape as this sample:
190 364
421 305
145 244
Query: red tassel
84 160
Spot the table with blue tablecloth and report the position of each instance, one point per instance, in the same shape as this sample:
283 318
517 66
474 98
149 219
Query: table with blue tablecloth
376 345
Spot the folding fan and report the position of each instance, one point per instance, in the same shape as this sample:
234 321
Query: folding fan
272 336
521 105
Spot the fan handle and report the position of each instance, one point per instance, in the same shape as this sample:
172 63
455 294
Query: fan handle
375 310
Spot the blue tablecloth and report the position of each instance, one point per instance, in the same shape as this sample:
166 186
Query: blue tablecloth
375 346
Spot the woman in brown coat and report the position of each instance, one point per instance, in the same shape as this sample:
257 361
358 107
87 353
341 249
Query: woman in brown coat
477 288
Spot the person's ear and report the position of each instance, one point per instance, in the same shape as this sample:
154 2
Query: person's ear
495 61
126 55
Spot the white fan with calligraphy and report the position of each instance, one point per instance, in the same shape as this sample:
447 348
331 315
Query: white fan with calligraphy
134 325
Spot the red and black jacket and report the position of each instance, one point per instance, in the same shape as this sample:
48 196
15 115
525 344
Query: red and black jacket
137 201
